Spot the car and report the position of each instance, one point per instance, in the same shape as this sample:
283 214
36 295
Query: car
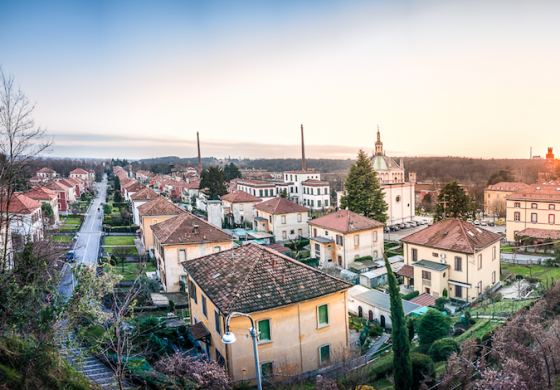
386 230
407 225
484 223
402 226
469 220
413 223
394 228
476 222
491 223
70 257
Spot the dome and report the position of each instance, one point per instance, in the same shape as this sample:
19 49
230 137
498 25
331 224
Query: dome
383 163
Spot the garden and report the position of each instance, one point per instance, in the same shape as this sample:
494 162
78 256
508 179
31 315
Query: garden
117 215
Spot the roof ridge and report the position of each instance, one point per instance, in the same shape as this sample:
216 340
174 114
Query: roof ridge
466 234
241 285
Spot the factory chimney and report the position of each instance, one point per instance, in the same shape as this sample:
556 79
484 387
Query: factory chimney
302 151
199 159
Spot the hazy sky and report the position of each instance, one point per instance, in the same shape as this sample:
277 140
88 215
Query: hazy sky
138 79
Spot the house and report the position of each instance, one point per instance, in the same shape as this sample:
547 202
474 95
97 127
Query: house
81 174
6 246
344 236
453 258
375 305
155 211
239 206
378 276
63 193
24 216
73 189
300 312
43 194
182 238
264 189
46 173
139 198
284 219
131 188
497 193
536 207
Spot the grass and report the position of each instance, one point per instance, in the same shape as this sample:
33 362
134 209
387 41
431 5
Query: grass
499 307
119 240
112 249
478 330
535 271
72 220
130 270
68 228
65 239
507 248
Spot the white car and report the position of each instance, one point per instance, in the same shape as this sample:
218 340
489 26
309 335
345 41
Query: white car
484 223
476 222
469 220
407 225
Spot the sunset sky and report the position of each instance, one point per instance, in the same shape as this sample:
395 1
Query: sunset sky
138 79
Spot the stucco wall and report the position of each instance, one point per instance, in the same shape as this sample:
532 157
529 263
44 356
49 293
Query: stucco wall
291 224
404 209
543 211
147 234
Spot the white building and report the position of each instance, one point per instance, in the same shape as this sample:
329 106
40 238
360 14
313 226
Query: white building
25 216
284 219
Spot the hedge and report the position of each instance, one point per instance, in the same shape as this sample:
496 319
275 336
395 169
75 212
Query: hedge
118 205
441 349
364 258
393 253
121 229
301 244
311 261
410 295
422 367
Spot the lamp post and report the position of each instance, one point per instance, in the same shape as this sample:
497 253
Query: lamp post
229 338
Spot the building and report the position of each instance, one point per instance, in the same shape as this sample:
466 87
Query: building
24 216
306 188
131 188
63 193
497 193
83 175
550 156
6 246
155 211
284 219
45 195
343 236
46 173
139 198
536 207
452 257
73 189
300 312
266 190
182 238
239 207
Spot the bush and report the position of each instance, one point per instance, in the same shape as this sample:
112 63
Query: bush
441 349
393 253
383 370
422 366
364 258
410 295
433 326
440 303
375 331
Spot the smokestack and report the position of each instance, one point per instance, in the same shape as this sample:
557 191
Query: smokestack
302 151
199 159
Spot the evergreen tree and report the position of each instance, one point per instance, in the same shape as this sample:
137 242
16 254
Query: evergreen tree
402 366
433 326
117 197
363 193
232 172
457 203
214 181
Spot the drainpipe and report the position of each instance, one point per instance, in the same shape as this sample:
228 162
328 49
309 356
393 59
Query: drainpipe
300 346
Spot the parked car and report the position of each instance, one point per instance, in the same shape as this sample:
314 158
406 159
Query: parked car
407 225
477 222
386 230
491 223
424 222
70 257
413 223
402 226
483 223
469 220
394 228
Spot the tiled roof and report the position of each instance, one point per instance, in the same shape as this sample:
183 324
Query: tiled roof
57 186
144 194
424 300
45 170
41 193
20 204
406 271
313 182
263 279
545 191
540 233
67 182
259 182
240 197
454 235
280 206
159 206
134 186
79 171
199 331
507 186
345 221
180 230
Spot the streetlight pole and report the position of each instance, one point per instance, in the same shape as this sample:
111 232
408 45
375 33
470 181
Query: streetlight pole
229 338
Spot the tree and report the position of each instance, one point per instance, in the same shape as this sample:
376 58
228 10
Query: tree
498 208
284 194
117 197
433 326
214 182
500 176
47 210
402 366
107 209
452 202
363 193
443 348
232 172
117 182
428 202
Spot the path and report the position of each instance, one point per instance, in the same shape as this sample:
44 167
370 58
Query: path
524 259
377 345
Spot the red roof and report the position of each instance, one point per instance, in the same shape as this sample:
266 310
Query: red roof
79 171
45 170
57 186
540 233
20 204
240 197
159 206
41 193
180 230
313 182
507 186
280 206
346 221
545 191
424 299
454 235
144 194
406 271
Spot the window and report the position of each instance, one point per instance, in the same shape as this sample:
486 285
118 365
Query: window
312 203
192 291
326 192
479 261
270 218
283 219
203 299
241 207
488 196
266 193
322 316
493 277
217 318
426 275
326 233
299 232
261 193
318 203
533 217
375 254
338 239
493 253
551 219
284 236
217 249
317 248
551 207
479 288
292 190
312 191
299 217
517 216
458 292
458 264
517 205
533 205
498 196
434 254
324 354
414 254
292 232
264 331
357 240
295 177
326 203
267 369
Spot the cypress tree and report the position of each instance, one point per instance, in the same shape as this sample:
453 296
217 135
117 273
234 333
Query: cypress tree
363 192
402 366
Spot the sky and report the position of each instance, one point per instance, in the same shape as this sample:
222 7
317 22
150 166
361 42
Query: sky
137 79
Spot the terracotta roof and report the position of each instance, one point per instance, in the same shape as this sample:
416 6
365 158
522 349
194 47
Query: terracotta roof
346 221
454 235
240 197
424 299
57 186
180 230
159 206
280 206
261 182
144 194
199 331
507 186
302 172
134 186
41 193
20 204
46 170
263 279
67 182
406 271
540 233
313 182
79 171
545 191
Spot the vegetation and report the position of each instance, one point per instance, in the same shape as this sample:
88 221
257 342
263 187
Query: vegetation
410 295
232 172
443 348
452 202
432 326
119 240
500 176
214 180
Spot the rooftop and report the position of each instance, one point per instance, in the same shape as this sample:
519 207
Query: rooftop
240 197
382 301
424 299
507 186
46 170
383 163
41 193
159 206
181 230
406 271
79 171
280 206
20 204
144 194
540 233
345 221
427 264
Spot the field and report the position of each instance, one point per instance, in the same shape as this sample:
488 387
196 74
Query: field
119 240
111 249
535 271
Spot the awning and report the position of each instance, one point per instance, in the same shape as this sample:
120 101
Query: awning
467 285
199 331
406 271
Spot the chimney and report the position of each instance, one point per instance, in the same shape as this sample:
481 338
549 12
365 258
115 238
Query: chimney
302 151
199 159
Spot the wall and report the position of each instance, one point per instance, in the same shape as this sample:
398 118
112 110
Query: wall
353 307
135 213
404 209
215 214
245 210
525 212
147 234
291 224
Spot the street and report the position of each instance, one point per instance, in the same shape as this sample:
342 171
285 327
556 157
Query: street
86 247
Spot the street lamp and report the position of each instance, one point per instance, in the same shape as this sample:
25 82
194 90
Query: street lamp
229 338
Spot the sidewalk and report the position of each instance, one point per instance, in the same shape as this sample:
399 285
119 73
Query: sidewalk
524 259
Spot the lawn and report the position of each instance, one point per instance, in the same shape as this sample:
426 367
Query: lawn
68 228
507 248
112 249
536 271
499 307
479 329
72 220
119 240
130 270
65 239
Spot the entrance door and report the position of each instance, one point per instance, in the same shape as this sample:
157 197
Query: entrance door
340 260
427 290
360 312
382 321
370 316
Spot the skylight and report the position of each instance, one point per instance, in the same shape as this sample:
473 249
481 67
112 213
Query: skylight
478 230
471 233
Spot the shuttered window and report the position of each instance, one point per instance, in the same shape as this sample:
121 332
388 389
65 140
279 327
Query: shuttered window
323 315
264 329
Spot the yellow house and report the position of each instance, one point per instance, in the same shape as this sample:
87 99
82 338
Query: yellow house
452 257
537 208
155 211
184 238
282 218
301 313
343 236
497 193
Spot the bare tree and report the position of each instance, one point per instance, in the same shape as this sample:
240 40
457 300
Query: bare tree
498 208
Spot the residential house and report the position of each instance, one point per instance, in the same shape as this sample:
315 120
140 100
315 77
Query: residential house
284 219
182 238
264 189
131 188
24 216
301 314
63 193
239 206
81 174
344 236
73 189
139 198
497 193
306 188
6 246
46 173
155 211
45 195
454 258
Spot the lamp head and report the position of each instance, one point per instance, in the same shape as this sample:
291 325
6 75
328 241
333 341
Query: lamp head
228 338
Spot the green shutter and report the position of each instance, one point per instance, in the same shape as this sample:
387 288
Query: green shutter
323 315
264 328
325 354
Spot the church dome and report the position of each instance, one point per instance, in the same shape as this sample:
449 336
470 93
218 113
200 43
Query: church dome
383 163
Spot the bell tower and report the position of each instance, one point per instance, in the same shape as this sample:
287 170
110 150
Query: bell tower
378 144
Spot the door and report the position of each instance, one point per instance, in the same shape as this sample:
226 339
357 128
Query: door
382 321
370 316
427 290
360 312
340 260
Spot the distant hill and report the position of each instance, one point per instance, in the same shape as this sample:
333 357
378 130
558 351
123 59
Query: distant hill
175 159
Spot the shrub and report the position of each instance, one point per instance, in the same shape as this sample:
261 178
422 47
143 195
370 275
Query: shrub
363 258
411 295
440 303
383 370
422 366
375 331
172 305
433 326
441 349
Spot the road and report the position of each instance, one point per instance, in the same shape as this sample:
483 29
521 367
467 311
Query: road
86 247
